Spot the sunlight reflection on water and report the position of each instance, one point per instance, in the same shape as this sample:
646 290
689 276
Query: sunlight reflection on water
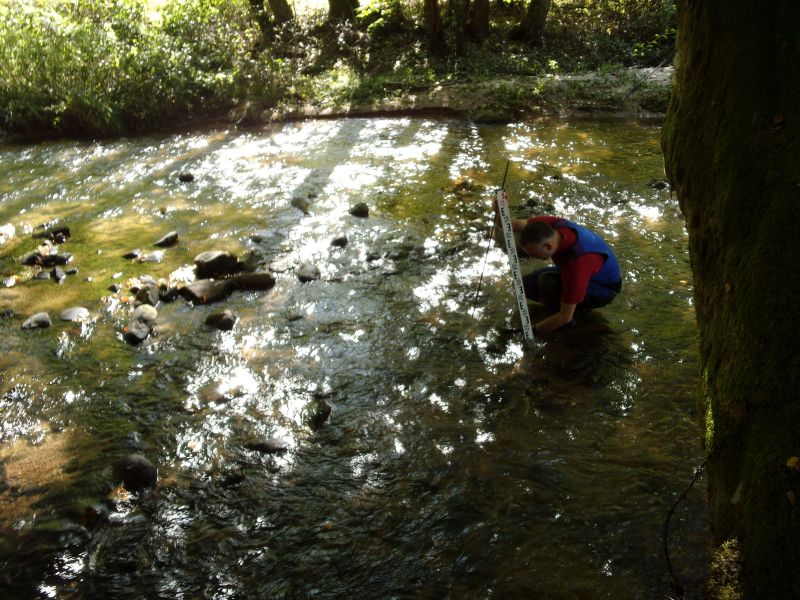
416 423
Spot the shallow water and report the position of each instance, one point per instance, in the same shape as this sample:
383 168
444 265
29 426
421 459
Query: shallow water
456 462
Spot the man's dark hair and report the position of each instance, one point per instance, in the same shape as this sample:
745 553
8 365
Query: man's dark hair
535 232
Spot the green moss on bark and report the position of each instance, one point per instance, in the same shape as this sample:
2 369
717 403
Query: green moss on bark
732 147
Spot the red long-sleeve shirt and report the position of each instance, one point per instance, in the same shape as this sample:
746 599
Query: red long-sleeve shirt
575 274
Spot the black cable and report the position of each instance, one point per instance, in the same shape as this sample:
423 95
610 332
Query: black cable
488 245
675 583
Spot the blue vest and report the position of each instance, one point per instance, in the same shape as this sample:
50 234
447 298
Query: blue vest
588 241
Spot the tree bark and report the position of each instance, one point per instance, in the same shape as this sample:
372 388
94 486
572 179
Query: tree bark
731 143
479 21
260 15
281 11
433 27
531 28
342 10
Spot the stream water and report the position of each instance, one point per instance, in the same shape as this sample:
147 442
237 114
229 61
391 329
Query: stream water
456 462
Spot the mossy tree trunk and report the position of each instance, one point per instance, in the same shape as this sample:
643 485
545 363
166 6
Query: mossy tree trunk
281 11
732 148
531 28
342 10
433 27
260 15
479 20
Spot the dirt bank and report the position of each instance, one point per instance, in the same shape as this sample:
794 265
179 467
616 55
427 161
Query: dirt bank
635 92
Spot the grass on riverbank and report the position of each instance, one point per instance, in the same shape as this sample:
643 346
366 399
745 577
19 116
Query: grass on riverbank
110 67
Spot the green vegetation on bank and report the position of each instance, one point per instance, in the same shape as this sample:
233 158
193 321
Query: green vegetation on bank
109 67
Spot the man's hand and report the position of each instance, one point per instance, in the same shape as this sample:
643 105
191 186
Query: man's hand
558 320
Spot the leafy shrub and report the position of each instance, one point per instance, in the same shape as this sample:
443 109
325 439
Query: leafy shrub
102 67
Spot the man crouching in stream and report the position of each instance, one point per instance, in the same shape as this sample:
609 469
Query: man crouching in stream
585 273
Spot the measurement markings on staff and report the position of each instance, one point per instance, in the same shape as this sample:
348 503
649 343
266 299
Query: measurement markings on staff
513 261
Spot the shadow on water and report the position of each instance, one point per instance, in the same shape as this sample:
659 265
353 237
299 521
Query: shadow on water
455 461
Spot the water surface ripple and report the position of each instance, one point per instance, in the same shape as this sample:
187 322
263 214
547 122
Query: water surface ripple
455 462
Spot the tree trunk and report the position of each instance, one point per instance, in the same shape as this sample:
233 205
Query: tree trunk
531 28
460 21
732 148
479 21
281 11
342 10
433 27
260 16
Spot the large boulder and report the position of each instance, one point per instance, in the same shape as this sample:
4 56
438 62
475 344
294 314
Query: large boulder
216 263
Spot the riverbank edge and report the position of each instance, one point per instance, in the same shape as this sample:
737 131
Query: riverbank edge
623 93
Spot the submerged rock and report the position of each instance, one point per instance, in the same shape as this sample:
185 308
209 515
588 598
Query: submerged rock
151 257
45 260
318 413
7 232
216 263
135 253
185 177
38 321
658 184
167 293
268 446
257 281
136 473
360 210
58 274
300 204
148 294
223 320
339 242
96 515
169 239
76 314
206 291
57 234
307 272
141 324
30 259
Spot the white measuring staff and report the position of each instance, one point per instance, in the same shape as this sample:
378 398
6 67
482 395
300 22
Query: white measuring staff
513 261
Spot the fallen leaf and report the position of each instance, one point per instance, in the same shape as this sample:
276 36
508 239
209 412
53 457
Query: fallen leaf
793 463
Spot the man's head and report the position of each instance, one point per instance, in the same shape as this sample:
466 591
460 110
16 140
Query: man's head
539 240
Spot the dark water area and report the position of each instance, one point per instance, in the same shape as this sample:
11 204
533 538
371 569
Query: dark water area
455 463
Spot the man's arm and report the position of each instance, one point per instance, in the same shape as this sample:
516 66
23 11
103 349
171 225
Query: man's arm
553 322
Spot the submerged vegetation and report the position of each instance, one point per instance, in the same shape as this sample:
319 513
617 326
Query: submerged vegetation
108 67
